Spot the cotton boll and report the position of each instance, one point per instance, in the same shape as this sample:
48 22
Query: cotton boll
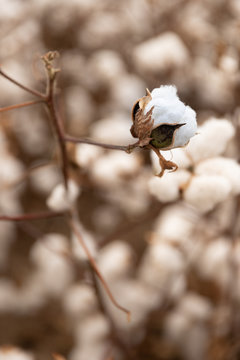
133 199
160 265
126 90
92 329
11 170
102 27
89 351
159 53
10 202
195 307
48 255
167 109
167 188
224 167
107 66
214 262
111 168
80 300
113 130
176 325
187 328
115 259
206 191
61 199
212 139
85 154
45 179
175 224
13 353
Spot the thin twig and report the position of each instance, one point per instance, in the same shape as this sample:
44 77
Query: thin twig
97 271
56 121
18 106
31 91
127 148
33 216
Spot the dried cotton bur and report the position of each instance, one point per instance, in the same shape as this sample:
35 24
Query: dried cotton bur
162 122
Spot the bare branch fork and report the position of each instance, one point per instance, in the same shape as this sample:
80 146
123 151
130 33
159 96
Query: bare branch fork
49 100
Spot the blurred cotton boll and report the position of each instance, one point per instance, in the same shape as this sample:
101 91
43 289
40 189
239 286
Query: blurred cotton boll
206 191
79 301
45 179
167 188
159 53
48 254
13 353
113 129
115 259
61 199
212 139
113 167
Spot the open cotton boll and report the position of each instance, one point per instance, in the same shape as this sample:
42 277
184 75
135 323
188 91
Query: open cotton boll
13 353
113 129
224 167
106 65
112 167
11 169
115 259
211 140
167 109
214 262
80 300
160 265
206 191
48 254
126 89
45 178
159 53
85 154
61 199
182 218
94 328
167 188
195 307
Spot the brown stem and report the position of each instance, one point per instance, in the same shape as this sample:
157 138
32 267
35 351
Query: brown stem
97 271
23 87
127 148
32 216
60 137
18 106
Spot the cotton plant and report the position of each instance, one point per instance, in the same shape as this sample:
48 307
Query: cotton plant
205 177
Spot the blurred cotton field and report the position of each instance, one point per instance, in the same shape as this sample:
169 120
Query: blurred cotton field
168 247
